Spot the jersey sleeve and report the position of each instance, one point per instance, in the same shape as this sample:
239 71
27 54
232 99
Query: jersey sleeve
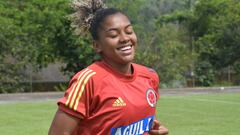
77 98
154 79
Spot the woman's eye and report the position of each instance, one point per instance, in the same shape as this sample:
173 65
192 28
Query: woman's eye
113 35
129 31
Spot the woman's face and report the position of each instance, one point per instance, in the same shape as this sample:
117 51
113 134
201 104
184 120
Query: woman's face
117 40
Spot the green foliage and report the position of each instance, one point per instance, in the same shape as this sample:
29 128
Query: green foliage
73 50
236 68
205 73
218 41
175 37
216 27
168 54
33 34
34 26
61 87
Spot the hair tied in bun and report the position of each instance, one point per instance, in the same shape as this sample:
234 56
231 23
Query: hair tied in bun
84 11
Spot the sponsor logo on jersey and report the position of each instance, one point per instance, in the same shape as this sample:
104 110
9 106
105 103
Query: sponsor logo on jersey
137 128
119 102
151 97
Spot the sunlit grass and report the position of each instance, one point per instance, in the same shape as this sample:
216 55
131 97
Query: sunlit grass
26 118
213 114
209 114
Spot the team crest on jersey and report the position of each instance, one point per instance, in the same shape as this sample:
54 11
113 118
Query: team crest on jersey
151 97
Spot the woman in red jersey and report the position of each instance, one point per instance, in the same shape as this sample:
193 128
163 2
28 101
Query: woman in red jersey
113 96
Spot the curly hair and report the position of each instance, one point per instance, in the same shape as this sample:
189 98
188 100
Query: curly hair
88 16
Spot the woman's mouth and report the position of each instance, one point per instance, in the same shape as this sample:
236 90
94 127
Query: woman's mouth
125 48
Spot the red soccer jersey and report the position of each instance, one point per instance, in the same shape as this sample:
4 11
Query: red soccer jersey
112 103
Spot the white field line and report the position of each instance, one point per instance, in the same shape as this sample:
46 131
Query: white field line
217 101
207 100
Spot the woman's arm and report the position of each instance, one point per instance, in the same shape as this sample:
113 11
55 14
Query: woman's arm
63 124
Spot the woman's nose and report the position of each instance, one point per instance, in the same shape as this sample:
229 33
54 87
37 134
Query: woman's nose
124 38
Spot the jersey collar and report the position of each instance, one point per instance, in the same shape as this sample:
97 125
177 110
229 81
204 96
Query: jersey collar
121 76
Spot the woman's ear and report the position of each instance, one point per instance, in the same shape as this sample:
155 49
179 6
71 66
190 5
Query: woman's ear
97 47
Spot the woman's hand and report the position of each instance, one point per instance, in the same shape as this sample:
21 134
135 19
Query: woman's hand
158 129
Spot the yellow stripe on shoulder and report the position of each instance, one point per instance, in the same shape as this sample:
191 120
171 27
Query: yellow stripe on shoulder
82 88
75 89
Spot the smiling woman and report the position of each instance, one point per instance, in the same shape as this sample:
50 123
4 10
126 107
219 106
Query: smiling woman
117 42
114 95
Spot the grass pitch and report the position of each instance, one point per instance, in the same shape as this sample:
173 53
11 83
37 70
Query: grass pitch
26 118
209 114
212 114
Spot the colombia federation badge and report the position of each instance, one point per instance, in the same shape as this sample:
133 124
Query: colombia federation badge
151 97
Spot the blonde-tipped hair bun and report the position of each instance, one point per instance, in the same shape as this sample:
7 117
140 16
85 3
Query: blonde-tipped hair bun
84 13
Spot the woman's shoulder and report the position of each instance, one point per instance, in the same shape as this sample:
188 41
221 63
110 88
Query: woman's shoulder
149 73
95 70
145 71
94 74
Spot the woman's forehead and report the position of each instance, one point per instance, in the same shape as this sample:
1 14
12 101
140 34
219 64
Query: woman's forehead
117 20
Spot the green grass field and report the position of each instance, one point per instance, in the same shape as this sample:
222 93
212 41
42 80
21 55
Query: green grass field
26 118
212 114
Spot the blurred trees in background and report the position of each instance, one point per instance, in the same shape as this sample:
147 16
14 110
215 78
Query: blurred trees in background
187 41
33 34
28 32
216 27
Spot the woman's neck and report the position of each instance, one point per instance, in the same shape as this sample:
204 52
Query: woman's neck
122 68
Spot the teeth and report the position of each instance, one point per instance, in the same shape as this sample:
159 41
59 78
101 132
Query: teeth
125 48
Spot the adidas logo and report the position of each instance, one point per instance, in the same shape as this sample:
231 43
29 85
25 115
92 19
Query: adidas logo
119 102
